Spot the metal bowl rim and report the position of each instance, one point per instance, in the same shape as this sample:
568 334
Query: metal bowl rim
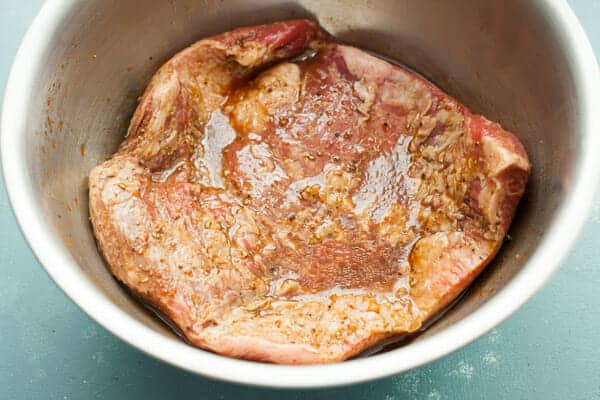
65 272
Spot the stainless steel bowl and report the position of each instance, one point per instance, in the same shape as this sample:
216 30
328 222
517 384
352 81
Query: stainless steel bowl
82 65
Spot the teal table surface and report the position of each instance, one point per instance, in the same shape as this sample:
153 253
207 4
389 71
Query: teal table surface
49 349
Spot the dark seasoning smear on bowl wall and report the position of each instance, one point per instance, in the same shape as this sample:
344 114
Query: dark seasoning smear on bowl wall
56 133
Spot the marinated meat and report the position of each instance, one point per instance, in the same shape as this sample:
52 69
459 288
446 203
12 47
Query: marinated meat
285 198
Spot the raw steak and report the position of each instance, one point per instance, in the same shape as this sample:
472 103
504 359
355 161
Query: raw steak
285 198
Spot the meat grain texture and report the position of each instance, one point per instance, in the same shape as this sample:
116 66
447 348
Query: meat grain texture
285 198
